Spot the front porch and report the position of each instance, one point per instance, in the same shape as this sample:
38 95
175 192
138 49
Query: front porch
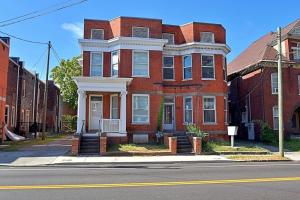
102 105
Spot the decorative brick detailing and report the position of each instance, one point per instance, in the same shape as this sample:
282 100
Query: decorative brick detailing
103 144
197 145
166 138
75 146
173 145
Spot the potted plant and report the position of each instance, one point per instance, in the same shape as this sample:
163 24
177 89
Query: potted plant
196 135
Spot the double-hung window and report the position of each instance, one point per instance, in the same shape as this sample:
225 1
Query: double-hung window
188 110
97 34
208 67
168 67
224 68
169 37
140 62
114 63
6 114
114 107
13 116
140 108
187 67
296 51
207 37
141 32
96 64
225 110
275 118
274 83
209 109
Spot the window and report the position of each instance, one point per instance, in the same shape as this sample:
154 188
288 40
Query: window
140 63
188 110
299 84
141 32
244 117
275 118
208 67
24 88
224 69
12 116
96 64
274 83
27 115
296 52
168 67
6 114
169 37
140 108
97 34
207 37
114 63
225 110
209 109
114 107
187 67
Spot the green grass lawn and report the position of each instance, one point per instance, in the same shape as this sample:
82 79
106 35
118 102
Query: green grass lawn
144 148
225 147
293 144
16 145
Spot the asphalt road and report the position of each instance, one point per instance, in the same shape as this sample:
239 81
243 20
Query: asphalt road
197 181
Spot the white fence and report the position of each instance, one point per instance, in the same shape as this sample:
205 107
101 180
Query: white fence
110 125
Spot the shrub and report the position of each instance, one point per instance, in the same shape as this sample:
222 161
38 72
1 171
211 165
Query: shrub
267 134
196 131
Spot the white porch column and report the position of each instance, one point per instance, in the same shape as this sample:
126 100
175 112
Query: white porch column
80 110
123 112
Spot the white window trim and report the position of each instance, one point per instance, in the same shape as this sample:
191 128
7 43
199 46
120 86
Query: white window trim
213 37
173 41
13 111
275 93
111 63
274 128
173 67
8 110
148 31
132 108
184 100
187 79
215 109
214 67
111 96
132 59
96 52
100 29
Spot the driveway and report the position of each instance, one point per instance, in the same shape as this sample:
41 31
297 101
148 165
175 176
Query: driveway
50 150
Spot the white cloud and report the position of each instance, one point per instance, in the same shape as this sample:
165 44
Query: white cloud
75 28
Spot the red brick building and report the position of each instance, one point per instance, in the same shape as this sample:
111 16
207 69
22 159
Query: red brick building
4 56
133 66
253 83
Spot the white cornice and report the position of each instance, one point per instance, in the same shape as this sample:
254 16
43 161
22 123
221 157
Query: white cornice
122 43
197 47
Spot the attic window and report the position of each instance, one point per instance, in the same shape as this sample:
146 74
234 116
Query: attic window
169 37
207 37
97 34
141 32
296 30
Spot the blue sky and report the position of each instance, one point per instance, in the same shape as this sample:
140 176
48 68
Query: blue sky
245 21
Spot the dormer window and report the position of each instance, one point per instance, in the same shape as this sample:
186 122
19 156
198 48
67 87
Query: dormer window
141 32
296 51
169 37
207 37
97 34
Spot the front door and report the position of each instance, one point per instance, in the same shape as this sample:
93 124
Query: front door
95 112
168 116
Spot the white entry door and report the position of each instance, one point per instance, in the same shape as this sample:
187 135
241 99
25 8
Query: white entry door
96 106
168 116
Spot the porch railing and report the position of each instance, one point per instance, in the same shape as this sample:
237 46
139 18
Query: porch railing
110 125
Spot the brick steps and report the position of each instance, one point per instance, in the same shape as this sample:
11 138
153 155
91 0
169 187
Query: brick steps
183 143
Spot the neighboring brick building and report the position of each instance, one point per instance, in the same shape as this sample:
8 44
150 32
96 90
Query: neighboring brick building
253 83
132 66
4 56
53 112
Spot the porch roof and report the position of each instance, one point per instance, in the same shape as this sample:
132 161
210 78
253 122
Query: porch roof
102 84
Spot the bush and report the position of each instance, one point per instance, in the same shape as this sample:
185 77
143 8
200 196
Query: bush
267 134
196 131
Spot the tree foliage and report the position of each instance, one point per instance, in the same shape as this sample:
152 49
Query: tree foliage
63 76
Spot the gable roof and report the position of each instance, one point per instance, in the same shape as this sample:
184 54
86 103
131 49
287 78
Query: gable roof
259 50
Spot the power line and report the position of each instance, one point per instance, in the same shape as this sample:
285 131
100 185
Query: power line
33 12
56 54
39 59
44 13
22 39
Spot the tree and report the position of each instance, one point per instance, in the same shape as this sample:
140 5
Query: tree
63 76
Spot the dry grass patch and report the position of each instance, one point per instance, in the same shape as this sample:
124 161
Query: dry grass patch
271 157
141 148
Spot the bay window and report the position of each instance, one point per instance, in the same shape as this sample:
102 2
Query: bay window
187 67
140 62
96 64
208 67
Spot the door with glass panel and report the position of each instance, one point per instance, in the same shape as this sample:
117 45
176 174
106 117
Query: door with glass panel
95 112
168 114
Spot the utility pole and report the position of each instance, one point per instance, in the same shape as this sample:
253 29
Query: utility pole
46 93
280 95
